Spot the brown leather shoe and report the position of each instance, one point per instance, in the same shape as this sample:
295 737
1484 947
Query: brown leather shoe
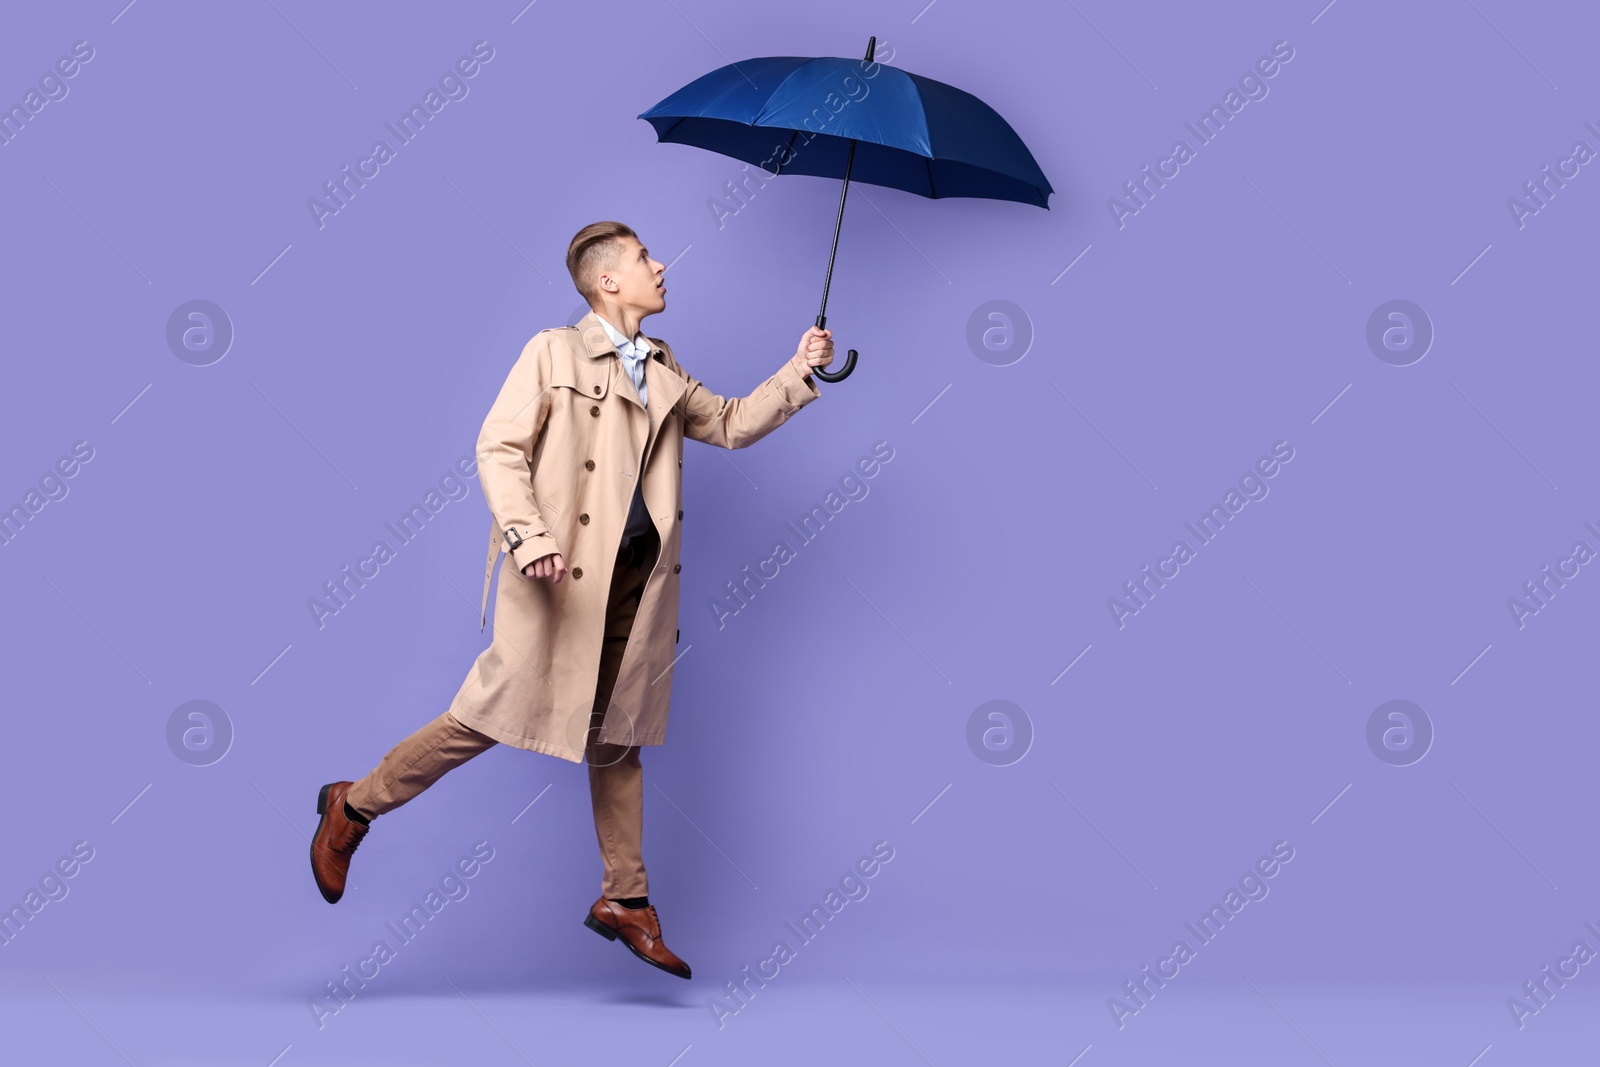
335 840
640 930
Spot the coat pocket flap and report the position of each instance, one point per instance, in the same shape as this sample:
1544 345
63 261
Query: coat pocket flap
590 383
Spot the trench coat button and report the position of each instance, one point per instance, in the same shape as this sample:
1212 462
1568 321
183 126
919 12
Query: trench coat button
597 390
577 572
594 409
680 514
584 518
588 464
676 567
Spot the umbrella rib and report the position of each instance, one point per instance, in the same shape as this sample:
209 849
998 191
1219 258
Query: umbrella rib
927 136
774 92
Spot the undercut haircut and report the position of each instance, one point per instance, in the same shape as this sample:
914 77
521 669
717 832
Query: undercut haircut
593 249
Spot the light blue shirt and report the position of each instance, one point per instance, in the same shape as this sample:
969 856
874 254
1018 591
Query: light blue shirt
634 353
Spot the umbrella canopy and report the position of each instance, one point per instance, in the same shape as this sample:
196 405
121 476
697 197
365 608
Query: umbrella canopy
912 133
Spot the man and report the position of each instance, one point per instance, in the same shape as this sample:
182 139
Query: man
581 462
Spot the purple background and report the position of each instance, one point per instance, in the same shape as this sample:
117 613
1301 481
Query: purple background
1228 314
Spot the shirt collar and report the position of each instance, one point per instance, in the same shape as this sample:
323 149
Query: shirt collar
640 345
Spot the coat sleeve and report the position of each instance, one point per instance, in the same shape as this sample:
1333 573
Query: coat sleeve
505 451
738 422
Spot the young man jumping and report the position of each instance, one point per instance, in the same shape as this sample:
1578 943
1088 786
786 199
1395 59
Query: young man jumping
581 462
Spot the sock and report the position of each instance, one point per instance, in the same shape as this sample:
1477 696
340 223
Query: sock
355 816
632 903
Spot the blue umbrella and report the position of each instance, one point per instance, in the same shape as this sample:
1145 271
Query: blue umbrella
831 117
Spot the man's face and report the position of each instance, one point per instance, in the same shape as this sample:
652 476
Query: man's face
639 279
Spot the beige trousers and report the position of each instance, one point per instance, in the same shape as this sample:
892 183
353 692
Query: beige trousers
616 778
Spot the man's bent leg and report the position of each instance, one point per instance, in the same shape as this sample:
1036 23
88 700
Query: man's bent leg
415 764
616 777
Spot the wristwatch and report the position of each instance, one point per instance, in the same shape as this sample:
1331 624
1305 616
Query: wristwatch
513 539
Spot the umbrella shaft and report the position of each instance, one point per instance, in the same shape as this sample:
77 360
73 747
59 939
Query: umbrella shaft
822 313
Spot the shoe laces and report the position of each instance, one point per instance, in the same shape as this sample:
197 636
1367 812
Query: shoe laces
357 834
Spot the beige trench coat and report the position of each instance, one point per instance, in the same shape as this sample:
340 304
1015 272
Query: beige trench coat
557 458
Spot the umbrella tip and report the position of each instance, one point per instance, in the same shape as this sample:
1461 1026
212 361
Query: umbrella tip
872 44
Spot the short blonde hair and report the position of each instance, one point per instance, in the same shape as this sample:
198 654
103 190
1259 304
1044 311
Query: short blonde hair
593 249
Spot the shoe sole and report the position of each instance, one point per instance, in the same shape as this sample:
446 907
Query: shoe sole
322 810
611 935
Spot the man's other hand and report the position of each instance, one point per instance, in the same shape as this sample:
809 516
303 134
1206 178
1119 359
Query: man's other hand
815 349
550 566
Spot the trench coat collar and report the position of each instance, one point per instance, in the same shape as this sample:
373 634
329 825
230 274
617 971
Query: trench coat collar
664 386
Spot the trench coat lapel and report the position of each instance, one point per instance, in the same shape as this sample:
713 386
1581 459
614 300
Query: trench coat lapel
664 386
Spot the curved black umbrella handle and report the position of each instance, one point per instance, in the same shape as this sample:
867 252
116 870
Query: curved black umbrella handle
849 359
842 373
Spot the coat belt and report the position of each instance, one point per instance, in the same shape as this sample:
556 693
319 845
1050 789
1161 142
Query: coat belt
496 550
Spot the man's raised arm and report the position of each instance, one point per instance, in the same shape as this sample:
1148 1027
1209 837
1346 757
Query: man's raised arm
737 422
